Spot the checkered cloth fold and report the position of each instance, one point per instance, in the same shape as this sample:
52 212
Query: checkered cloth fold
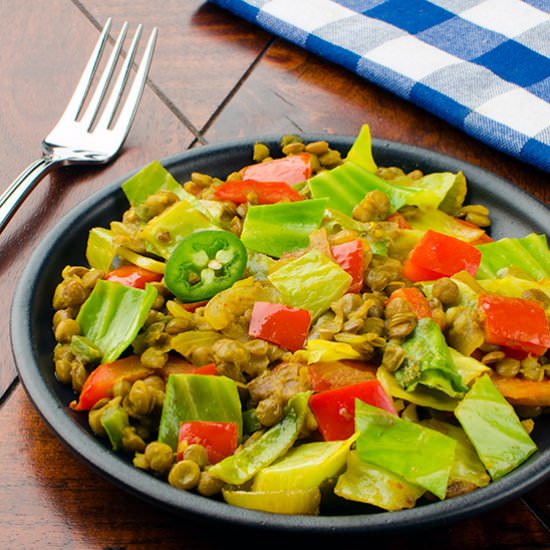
481 65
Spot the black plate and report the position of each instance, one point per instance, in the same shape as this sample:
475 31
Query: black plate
514 213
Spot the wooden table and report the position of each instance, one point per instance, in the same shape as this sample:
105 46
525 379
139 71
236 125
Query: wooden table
214 78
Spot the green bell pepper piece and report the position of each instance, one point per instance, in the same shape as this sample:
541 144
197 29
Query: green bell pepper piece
100 249
85 350
251 423
311 282
421 455
282 227
530 254
428 361
114 420
112 316
191 397
375 485
247 461
494 428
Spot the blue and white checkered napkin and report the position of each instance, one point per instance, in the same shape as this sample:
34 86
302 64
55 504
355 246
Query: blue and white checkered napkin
481 65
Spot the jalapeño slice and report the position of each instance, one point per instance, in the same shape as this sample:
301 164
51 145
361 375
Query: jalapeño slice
205 263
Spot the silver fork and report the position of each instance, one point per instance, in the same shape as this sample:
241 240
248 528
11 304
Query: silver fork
92 135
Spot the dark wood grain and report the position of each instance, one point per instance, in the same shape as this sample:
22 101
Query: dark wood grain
202 55
36 83
214 78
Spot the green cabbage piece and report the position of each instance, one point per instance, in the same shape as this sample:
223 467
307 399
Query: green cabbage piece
421 395
360 152
494 428
164 232
443 223
375 485
150 180
282 227
311 281
379 235
468 367
528 254
154 178
452 189
428 361
421 455
100 249
304 466
467 467
347 184
514 287
112 316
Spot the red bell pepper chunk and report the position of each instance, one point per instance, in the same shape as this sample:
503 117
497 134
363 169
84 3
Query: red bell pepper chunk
220 439
335 409
206 369
482 239
437 255
192 306
279 324
350 257
132 275
415 272
101 381
292 169
515 323
266 192
180 366
400 220
417 301
328 375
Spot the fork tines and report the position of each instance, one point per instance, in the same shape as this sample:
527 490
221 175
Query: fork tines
94 112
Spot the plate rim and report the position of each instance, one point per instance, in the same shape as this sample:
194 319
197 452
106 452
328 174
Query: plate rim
92 452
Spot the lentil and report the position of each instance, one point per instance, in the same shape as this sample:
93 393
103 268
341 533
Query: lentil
185 475
159 456
197 453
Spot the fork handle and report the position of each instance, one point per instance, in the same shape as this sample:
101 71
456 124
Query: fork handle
14 195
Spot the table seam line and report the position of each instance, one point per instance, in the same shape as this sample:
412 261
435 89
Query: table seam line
233 91
148 82
9 390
